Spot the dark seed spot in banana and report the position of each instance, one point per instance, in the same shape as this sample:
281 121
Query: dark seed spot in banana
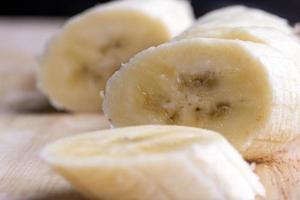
197 109
135 139
151 101
96 77
129 140
220 109
197 82
156 102
92 74
116 44
174 117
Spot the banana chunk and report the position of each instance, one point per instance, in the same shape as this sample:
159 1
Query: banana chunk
248 92
288 44
154 162
92 46
242 16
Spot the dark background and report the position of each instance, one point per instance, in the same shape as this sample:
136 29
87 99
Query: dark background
289 9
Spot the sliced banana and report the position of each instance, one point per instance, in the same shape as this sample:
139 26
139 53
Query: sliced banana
92 46
248 92
154 162
242 16
288 44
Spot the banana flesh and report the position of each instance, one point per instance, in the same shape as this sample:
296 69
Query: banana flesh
242 16
154 162
189 83
92 46
246 89
288 44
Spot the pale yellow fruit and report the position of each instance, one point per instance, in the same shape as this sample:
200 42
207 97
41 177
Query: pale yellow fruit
287 44
242 16
248 92
92 46
154 162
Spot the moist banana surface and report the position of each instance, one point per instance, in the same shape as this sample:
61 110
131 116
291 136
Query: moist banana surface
154 162
94 44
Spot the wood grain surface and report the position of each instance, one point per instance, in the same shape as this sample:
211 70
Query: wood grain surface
23 175
280 174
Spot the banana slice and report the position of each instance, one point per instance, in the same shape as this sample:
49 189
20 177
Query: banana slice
288 44
92 46
241 16
248 92
154 162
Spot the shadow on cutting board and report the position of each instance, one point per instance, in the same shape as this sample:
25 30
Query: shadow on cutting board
63 195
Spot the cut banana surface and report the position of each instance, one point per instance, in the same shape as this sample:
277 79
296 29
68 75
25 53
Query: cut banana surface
248 92
92 46
241 16
154 162
287 44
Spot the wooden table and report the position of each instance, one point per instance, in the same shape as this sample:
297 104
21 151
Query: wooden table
23 175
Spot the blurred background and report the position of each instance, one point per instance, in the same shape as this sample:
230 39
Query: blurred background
289 9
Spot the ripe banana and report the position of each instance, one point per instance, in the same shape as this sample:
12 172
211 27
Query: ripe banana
248 92
241 16
154 162
92 46
288 44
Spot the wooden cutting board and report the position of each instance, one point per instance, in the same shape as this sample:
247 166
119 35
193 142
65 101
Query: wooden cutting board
23 176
